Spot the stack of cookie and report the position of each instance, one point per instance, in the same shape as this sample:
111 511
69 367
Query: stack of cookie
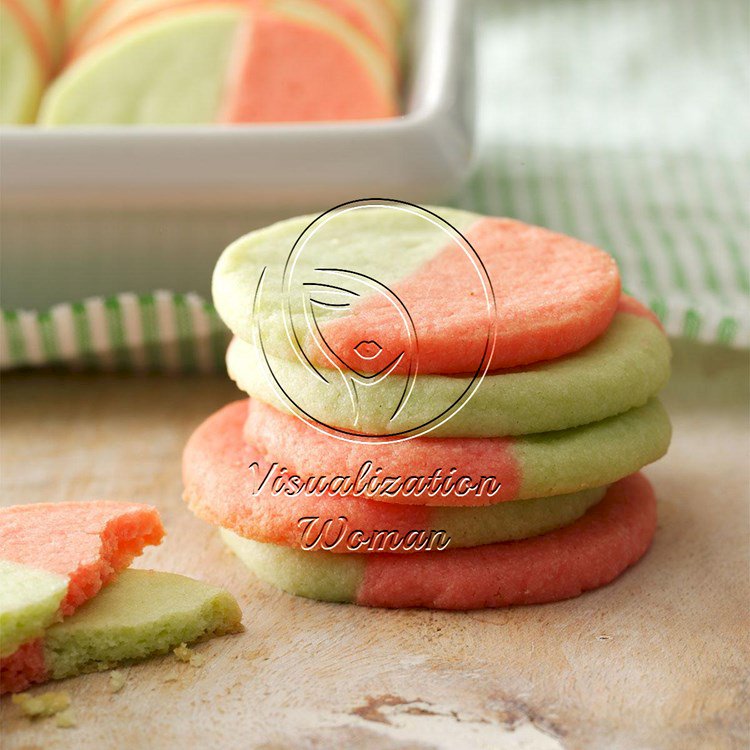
446 410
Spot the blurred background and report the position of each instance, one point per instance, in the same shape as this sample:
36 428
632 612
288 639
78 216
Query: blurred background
622 122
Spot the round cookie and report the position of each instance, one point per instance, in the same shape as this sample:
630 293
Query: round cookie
140 614
146 73
527 466
220 489
79 545
242 62
101 537
380 288
589 553
622 369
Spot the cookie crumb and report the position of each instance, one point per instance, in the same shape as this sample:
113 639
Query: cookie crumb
183 653
46 704
197 660
171 676
65 719
116 681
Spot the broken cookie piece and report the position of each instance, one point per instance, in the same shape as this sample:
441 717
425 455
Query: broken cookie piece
143 613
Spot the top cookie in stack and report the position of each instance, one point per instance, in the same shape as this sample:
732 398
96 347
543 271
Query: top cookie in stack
413 342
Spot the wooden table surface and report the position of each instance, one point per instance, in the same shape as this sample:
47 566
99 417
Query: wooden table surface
659 659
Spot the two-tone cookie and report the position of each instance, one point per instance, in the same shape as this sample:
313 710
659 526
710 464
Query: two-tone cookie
227 483
589 553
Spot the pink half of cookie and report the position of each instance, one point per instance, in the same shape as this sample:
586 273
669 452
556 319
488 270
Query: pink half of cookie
287 70
295 444
86 542
220 488
467 471
589 553
552 295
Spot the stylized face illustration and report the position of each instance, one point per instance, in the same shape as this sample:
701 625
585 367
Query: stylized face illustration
367 363
347 309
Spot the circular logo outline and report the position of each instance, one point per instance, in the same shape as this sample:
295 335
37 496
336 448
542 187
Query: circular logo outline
347 434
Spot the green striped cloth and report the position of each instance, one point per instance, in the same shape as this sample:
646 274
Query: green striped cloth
161 331
622 122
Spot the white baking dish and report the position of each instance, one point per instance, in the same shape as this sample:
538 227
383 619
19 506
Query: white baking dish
98 210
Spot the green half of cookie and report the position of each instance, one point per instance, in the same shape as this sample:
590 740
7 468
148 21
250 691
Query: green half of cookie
29 601
143 613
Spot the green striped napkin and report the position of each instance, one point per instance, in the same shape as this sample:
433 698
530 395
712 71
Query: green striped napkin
622 122
160 332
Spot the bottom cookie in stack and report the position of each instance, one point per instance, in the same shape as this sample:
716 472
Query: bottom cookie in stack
589 553
519 551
